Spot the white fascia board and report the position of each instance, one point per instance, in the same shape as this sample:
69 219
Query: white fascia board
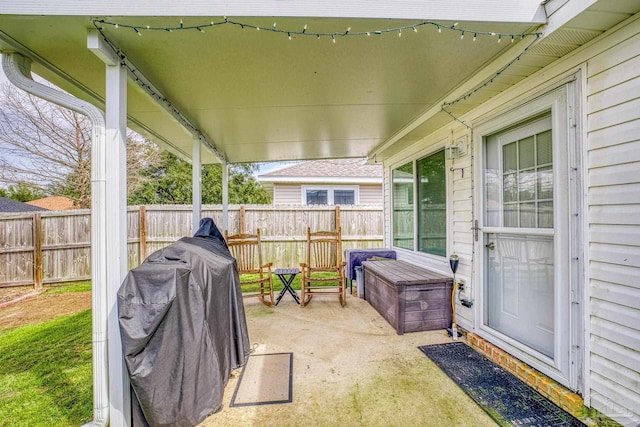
528 11
319 180
562 11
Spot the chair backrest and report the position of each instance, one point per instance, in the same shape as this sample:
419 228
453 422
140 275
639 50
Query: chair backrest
324 249
245 248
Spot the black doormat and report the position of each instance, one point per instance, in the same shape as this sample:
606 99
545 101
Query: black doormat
508 400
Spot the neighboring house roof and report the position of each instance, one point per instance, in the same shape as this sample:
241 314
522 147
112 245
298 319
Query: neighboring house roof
54 203
337 170
9 205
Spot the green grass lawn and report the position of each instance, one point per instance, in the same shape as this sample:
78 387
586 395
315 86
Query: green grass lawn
46 370
46 373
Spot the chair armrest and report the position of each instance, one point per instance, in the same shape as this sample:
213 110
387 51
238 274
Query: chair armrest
303 264
267 265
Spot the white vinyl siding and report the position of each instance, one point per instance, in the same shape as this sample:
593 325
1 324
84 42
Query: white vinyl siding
613 145
291 194
285 194
371 194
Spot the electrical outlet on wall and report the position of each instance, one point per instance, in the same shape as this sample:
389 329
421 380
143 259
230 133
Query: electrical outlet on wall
461 285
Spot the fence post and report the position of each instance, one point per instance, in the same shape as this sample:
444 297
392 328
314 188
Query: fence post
243 228
143 234
338 225
37 251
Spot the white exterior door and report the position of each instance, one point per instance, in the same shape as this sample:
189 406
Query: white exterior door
524 234
519 248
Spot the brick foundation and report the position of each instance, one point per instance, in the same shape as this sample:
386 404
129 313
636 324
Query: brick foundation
556 393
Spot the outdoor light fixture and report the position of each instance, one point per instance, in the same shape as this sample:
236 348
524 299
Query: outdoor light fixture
451 152
457 149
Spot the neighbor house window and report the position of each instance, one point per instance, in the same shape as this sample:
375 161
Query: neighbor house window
317 197
427 177
344 197
329 196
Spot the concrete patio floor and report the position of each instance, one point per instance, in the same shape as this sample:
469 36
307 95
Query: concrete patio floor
350 368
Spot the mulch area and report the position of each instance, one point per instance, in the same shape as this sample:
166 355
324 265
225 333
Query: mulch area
12 293
24 306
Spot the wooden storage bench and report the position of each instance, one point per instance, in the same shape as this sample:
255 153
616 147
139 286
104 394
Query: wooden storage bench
410 298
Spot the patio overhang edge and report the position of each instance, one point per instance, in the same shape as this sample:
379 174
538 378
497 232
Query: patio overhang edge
531 11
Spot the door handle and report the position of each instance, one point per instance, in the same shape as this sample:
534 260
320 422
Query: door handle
490 246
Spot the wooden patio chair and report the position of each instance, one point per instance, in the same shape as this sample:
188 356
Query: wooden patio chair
324 255
246 249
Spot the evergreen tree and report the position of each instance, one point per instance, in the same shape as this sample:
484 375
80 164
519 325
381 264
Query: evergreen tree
169 182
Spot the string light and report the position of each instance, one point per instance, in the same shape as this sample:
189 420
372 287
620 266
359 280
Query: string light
136 28
491 79
274 28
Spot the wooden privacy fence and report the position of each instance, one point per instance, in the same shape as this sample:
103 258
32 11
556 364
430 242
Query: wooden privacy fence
51 247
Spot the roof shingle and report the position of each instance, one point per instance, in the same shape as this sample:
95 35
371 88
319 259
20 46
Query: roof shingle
351 168
9 205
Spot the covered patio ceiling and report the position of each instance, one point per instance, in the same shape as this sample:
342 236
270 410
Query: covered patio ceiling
257 96
283 93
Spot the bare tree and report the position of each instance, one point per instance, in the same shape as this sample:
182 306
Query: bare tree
48 148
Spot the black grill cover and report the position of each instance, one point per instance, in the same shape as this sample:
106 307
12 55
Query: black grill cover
183 329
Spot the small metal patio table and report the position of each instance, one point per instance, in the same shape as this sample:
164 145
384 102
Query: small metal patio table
287 275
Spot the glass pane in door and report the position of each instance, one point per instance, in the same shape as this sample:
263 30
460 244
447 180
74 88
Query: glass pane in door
520 296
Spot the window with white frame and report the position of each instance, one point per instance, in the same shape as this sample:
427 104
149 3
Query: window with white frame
329 195
425 179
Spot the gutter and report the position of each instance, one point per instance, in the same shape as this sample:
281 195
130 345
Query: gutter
17 68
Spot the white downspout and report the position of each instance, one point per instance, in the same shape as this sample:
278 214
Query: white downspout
17 68
196 184
225 195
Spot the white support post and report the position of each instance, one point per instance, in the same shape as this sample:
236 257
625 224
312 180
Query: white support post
196 179
116 224
225 196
